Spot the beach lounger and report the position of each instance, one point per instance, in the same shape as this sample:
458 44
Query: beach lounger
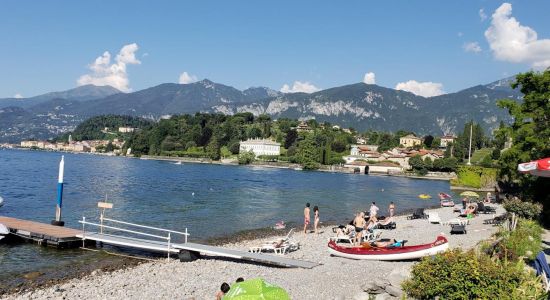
387 224
418 214
541 267
456 221
279 246
434 218
482 208
458 229
496 220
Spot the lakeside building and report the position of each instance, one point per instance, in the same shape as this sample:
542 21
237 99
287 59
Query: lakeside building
446 140
410 141
81 146
399 156
260 147
126 129
303 127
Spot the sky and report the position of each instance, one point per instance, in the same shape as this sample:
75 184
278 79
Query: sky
426 47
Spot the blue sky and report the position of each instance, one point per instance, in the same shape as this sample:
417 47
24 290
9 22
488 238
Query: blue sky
49 45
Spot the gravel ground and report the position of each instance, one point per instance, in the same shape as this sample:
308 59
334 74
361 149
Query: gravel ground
335 278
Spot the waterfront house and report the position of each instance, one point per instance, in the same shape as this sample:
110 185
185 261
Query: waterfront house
446 140
260 147
303 127
410 141
126 129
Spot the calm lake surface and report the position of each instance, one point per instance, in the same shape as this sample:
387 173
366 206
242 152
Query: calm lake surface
210 200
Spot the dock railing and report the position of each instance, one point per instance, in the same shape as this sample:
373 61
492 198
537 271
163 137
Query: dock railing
102 226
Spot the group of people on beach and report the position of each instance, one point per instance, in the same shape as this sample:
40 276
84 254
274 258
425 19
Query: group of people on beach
360 224
307 218
225 287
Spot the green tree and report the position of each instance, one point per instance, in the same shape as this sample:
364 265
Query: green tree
308 154
290 138
213 149
530 133
246 157
428 140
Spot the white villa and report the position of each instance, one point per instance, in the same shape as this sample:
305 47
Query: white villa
446 140
260 147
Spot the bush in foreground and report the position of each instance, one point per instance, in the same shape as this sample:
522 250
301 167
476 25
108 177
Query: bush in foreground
524 242
456 274
523 209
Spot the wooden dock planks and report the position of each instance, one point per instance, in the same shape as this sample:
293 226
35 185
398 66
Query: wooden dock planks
40 232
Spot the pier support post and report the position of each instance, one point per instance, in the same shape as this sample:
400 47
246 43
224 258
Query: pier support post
188 256
57 221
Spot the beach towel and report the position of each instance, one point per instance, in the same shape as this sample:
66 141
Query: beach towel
541 265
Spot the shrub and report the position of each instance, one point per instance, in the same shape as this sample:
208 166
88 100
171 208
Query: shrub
523 209
474 176
246 158
467 275
525 241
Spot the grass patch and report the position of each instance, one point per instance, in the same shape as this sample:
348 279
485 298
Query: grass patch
480 154
475 177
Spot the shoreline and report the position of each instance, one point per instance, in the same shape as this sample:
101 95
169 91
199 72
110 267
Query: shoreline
289 166
200 279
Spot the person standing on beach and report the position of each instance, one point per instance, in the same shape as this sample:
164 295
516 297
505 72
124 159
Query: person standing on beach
359 223
373 210
391 209
307 217
316 218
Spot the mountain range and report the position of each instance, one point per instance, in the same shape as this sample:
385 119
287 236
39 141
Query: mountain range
362 106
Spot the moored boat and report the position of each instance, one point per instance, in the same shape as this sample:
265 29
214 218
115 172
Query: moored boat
424 196
393 253
447 203
3 231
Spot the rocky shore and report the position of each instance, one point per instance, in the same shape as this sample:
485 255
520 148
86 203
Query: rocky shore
335 278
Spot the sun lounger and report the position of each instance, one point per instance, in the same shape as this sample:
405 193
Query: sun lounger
456 221
418 214
388 223
482 208
434 218
279 246
496 220
541 267
458 229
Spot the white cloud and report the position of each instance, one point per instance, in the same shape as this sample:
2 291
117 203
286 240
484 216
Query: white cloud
471 47
369 78
17 96
510 41
300 87
115 74
186 78
425 89
482 15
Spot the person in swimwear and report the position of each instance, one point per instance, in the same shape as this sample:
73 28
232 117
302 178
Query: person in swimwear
316 219
359 223
307 217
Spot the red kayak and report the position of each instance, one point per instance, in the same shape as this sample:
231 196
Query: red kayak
392 253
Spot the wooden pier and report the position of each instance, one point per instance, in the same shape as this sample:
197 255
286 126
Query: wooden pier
43 234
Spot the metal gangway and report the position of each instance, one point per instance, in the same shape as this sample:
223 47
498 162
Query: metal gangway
163 242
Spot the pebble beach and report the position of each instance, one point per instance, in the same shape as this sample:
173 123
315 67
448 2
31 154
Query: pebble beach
334 278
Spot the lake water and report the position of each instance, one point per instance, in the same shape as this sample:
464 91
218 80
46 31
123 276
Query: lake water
209 200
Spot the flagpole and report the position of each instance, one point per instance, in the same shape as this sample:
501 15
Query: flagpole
470 149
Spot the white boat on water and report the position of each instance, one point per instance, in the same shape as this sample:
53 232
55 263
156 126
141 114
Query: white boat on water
1 201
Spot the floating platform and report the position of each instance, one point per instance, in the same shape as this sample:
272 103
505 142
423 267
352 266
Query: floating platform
176 248
43 234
